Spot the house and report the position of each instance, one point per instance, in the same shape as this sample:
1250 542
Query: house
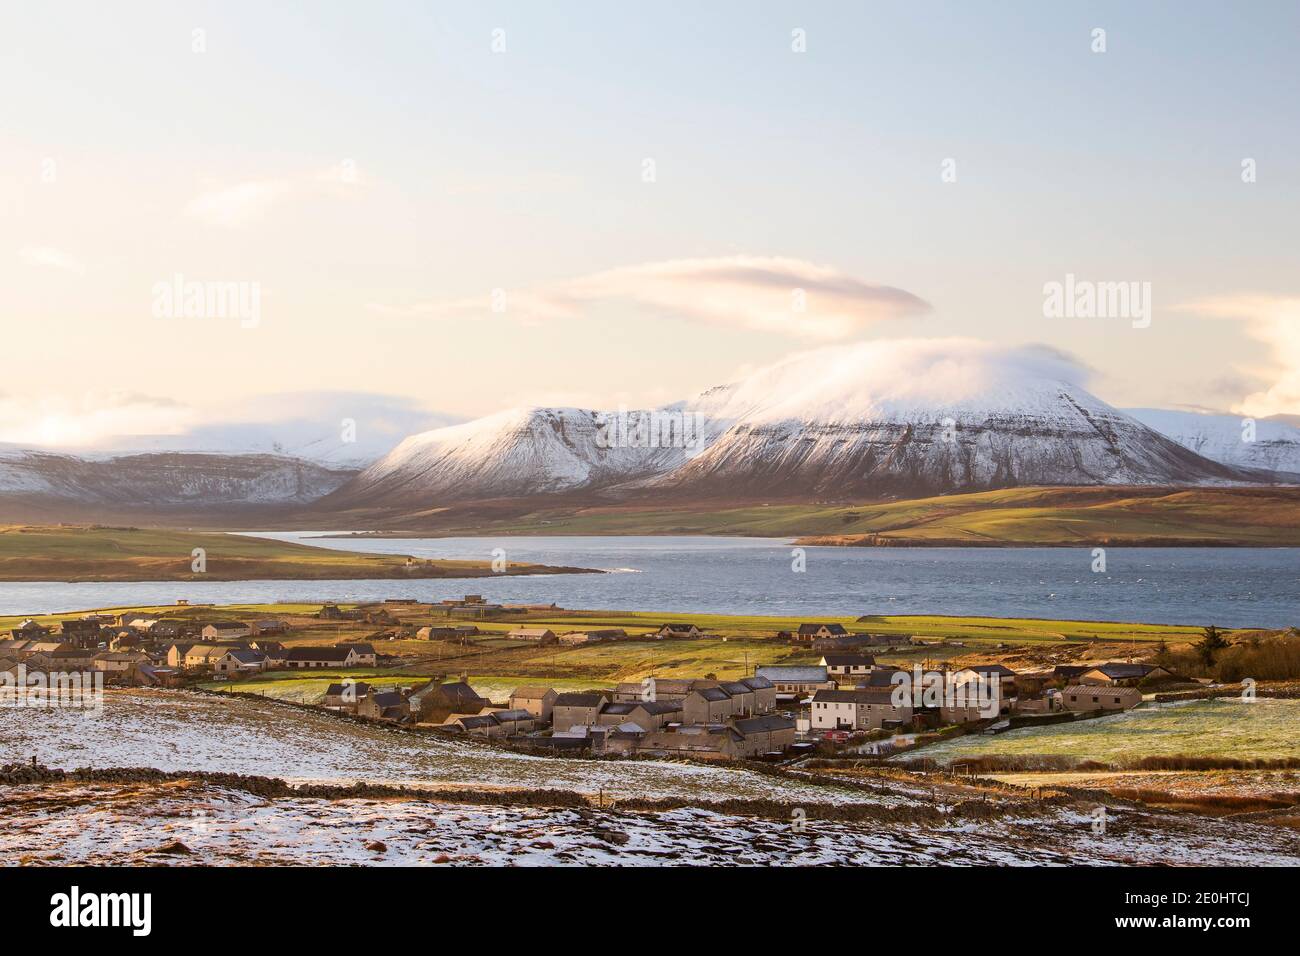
677 629
1089 697
63 660
793 681
384 705
176 655
206 655
330 612
273 650
577 708
345 695
840 667
977 692
172 630
659 688
480 725
538 701
743 699
698 741
344 655
807 633
861 709
764 693
1123 675
647 715
125 641
450 632
143 625
364 654
83 632
435 702
225 631
120 665
540 635
14 647
29 630
240 662
269 627
515 720
707 705
770 733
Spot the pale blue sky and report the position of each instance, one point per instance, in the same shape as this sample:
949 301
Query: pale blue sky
522 169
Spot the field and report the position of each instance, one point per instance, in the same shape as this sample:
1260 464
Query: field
1267 729
134 554
1047 517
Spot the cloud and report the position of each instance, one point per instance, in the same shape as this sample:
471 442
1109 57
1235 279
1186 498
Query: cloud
50 258
1275 321
241 204
88 421
302 424
771 294
238 205
889 378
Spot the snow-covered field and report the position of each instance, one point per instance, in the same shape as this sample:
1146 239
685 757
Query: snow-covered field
155 825
176 730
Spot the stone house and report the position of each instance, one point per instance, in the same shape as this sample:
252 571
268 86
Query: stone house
538 701
577 709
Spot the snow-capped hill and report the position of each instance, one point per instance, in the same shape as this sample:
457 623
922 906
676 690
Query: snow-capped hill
877 418
521 451
149 480
1230 439
926 417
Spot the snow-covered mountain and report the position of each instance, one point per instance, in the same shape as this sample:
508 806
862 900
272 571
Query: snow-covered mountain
1230 439
164 479
515 453
900 417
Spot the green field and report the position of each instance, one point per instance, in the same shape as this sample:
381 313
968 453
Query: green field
137 554
1048 517
1266 729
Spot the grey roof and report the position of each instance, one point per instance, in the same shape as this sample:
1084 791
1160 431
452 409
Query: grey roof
763 724
817 626
712 693
997 669
519 714
757 683
580 699
660 707
247 657
734 687
848 660
389 698
1119 671
784 674
316 654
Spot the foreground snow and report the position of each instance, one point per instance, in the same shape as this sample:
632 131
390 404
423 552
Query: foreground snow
174 824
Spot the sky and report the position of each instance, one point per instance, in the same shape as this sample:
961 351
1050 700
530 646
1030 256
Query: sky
223 213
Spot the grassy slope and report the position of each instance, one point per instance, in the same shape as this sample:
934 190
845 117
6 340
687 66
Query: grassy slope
133 554
1016 516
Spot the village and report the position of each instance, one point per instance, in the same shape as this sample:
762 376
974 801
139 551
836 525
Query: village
835 694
